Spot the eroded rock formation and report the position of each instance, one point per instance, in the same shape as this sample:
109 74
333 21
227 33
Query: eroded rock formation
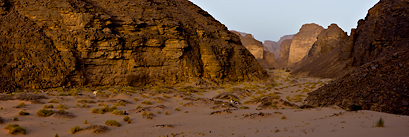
52 43
303 41
284 53
379 51
323 59
265 58
274 47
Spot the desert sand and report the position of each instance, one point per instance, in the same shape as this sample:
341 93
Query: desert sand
197 111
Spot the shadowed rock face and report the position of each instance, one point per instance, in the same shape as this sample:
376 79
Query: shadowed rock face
303 41
379 51
284 53
51 43
323 59
274 47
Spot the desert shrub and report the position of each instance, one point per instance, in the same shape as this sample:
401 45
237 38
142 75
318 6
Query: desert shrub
138 107
116 112
166 112
112 123
22 113
48 106
63 94
144 114
135 99
44 113
165 96
177 109
15 128
61 106
103 110
75 129
53 101
15 119
144 96
86 122
244 107
127 119
380 123
21 104
120 103
147 102
56 135
283 117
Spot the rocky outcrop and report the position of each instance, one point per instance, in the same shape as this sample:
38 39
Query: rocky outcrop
265 58
379 51
323 59
47 44
274 47
282 61
254 46
303 41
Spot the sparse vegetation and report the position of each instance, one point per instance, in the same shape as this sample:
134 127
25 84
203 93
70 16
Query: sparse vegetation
166 112
147 102
75 129
283 117
244 107
120 103
56 135
116 112
48 106
53 101
44 113
15 119
61 106
127 119
21 104
86 122
144 96
103 110
112 123
22 113
135 99
177 109
138 107
380 123
83 101
15 129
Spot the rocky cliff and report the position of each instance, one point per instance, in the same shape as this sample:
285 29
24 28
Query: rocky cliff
265 58
282 61
52 43
379 51
274 47
303 41
323 59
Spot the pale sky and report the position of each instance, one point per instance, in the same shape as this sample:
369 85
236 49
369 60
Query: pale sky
271 19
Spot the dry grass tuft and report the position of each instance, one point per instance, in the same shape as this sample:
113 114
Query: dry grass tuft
15 129
112 123
22 113
75 129
44 113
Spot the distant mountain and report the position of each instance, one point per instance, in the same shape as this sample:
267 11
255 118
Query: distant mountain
303 41
282 61
323 59
265 58
274 47
378 53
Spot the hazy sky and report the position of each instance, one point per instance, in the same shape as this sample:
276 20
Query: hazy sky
271 19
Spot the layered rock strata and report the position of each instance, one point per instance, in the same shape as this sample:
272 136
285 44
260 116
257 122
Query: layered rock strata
303 41
52 43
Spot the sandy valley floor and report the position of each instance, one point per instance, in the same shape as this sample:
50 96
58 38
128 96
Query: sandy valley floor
269 109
